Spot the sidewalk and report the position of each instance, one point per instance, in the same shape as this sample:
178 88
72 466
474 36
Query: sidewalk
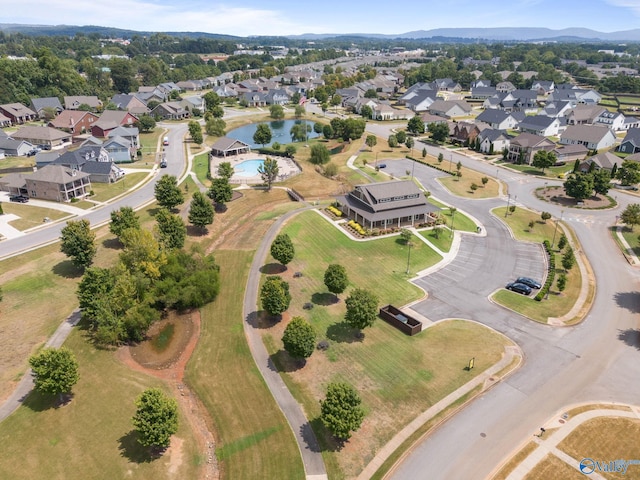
628 251
6 230
565 428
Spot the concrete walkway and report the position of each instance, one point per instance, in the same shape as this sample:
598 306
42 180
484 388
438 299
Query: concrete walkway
486 379
6 230
25 385
565 428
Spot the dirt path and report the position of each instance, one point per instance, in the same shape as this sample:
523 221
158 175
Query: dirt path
190 405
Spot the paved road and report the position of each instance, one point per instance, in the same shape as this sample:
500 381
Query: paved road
596 360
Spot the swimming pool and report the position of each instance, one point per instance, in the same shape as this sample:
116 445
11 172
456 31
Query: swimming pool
248 168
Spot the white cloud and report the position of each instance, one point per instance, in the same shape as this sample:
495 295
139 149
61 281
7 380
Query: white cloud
633 5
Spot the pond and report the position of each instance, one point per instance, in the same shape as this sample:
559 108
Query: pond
279 132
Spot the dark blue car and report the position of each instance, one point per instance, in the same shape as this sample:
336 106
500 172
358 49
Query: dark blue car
529 282
519 288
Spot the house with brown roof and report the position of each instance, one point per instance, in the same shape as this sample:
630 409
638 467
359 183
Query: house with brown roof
47 136
57 183
170 111
591 136
17 113
465 132
570 153
110 120
387 204
225 146
76 122
523 148
75 101
584 114
601 161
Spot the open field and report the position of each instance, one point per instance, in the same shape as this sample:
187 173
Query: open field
15 162
392 393
31 216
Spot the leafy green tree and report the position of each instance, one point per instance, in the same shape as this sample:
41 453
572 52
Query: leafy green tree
215 127
485 180
327 131
392 141
366 111
401 136
561 283
629 173
415 125
172 232
631 215
370 93
290 150
122 219
405 235
424 152
142 254
220 191
269 171
563 241
195 131
335 279
78 242
440 157
439 131
318 127
543 159
319 154
276 112
299 338
362 308
545 216
299 111
576 166
409 143
217 111
568 259
579 186
146 123
601 181
168 193
200 211
371 141
274 295
298 132
55 371
282 249
263 134
225 170
341 411
156 418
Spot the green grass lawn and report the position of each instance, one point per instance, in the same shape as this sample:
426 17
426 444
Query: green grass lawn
254 440
377 366
106 191
15 162
462 186
201 168
631 236
149 145
31 216
552 172
460 220
441 239
557 304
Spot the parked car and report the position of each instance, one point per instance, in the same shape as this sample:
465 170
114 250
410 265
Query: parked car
519 288
529 282
163 164
33 151
19 198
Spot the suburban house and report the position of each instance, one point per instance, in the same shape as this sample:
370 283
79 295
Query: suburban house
76 122
540 125
543 87
190 85
74 102
450 108
47 136
601 161
193 102
387 204
570 153
523 148
556 109
17 113
447 85
630 122
517 100
40 105
131 103
119 149
129 133
591 136
277 97
102 172
465 132
575 96
505 87
493 141
85 159
57 183
499 119
226 146
631 141
482 92
12 147
110 120
254 99
584 114
421 101
613 120
480 82
4 120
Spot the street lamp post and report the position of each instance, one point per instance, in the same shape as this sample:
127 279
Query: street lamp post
409 257
413 167
453 217
450 161
508 201
555 230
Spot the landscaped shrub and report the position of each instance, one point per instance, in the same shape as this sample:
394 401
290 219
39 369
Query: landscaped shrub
552 272
334 210
432 166
357 227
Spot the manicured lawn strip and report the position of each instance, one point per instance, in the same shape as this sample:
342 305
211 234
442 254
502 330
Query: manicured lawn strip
552 468
254 440
514 461
16 162
551 172
443 240
461 221
631 236
201 168
91 436
605 438
462 186
149 146
557 304
106 191
30 215
318 244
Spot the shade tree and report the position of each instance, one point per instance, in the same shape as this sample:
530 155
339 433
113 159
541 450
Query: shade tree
341 411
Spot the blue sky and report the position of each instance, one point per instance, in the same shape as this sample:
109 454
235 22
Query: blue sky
287 17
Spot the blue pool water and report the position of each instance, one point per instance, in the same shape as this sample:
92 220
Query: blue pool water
248 168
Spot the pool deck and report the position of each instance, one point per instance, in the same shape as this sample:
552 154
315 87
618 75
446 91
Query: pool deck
287 167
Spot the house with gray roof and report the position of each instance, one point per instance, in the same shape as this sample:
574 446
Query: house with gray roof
498 119
450 108
570 153
130 102
631 141
119 149
517 100
130 133
556 109
575 95
11 147
591 136
387 205
543 87
57 183
277 97
630 122
505 87
482 93
493 141
613 120
584 114
193 102
523 148
540 125
84 160
601 161
421 101
170 111
39 105
226 146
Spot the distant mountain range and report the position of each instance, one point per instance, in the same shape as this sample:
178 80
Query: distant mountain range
503 34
